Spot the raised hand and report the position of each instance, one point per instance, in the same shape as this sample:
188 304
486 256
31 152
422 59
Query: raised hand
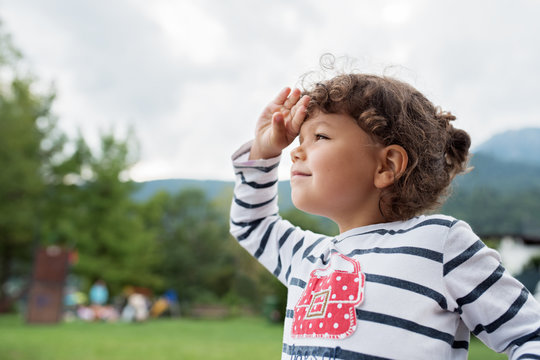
279 124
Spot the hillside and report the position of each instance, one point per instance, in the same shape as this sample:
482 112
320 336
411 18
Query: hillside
212 189
500 195
498 174
521 146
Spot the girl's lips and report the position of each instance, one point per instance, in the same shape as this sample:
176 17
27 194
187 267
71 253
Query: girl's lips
299 173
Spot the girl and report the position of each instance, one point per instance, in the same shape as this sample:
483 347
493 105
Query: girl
374 156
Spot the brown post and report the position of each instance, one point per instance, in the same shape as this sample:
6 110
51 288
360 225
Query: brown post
45 298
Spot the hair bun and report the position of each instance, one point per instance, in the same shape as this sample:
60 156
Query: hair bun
457 150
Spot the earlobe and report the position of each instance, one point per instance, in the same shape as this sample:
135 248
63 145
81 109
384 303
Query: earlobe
393 162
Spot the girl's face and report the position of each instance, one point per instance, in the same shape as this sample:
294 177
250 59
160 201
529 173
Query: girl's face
333 171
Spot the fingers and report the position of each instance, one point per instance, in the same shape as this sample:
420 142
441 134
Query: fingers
292 99
279 131
290 113
298 114
287 98
302 103
282 96
278 124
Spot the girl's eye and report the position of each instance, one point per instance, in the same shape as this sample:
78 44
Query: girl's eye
321 137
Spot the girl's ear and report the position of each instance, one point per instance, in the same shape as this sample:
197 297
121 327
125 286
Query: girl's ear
393 161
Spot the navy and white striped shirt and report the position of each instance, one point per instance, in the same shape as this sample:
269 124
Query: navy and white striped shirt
426 283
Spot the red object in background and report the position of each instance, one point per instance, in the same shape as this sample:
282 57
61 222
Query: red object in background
73 257
45 298
327 306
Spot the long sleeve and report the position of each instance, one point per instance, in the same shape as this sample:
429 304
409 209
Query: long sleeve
255 222
497 308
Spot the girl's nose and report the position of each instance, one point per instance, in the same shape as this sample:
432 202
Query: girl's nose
297 154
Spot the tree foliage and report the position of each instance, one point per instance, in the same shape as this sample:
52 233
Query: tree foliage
28 143
494 212
190 236
78 199
110 237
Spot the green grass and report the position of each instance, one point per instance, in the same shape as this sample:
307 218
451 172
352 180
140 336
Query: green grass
156 339
237 338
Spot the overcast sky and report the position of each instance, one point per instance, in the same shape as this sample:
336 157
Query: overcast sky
191 77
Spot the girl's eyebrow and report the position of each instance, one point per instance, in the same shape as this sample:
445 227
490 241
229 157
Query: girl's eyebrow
311 123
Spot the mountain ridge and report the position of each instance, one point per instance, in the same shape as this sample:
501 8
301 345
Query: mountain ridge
521 146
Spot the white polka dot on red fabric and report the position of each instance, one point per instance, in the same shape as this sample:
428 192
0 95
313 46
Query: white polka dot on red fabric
346 316
336 325
344 287
321 325
339 306
351 297
338 278
329 315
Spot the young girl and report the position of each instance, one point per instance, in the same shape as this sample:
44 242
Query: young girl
374 155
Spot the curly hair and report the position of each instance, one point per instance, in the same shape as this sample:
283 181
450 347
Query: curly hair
393 112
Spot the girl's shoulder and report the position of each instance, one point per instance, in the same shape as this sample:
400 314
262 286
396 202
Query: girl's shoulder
440 219
445 230
432 222
451 223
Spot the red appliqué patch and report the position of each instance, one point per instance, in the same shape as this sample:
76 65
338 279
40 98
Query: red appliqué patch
326 307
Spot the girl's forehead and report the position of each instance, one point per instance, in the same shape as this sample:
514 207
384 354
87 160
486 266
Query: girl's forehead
320 118
314 121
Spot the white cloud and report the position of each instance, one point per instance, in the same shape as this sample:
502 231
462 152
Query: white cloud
192 76
189 30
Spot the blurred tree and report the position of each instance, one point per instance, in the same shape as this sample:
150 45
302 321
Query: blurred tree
494 212
191 236
28 145
93 212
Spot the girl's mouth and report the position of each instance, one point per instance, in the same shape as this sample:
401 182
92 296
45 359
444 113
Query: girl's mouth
296 173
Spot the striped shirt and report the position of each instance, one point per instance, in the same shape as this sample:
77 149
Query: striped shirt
411 289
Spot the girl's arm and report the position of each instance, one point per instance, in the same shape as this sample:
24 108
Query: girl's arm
254 212
255 222
496 307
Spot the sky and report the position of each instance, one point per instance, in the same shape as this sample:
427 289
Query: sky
191 77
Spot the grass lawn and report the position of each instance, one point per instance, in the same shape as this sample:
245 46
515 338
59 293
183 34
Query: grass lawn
186 339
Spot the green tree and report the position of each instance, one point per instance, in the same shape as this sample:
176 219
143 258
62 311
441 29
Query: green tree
191 236
106 229
495 212
79 199
28 144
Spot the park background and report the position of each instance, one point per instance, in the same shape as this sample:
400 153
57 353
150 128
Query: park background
117 121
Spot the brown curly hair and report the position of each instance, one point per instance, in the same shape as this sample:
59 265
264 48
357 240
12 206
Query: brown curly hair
393 112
